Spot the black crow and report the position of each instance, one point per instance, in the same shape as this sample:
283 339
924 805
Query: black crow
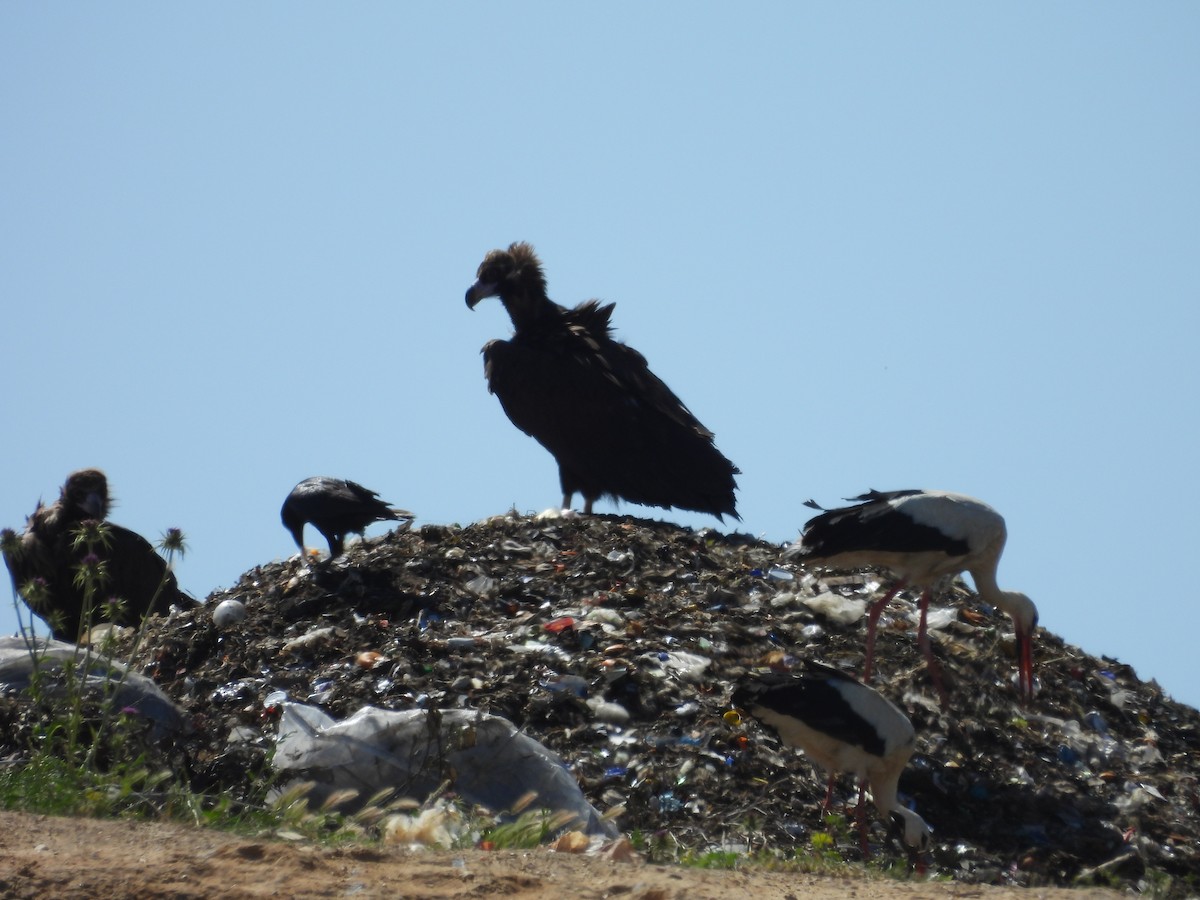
336 508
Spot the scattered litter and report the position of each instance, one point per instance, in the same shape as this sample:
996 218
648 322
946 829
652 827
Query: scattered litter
837 609
632 696
437 826
686 666
229 612
310 639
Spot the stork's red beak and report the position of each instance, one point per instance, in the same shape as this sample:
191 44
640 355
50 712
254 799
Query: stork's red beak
1025 665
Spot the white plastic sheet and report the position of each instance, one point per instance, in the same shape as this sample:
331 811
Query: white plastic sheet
20 657
484 757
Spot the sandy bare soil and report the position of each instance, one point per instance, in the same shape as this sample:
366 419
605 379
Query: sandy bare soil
47 857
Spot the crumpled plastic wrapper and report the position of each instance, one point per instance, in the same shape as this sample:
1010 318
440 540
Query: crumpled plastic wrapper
481 757
20 658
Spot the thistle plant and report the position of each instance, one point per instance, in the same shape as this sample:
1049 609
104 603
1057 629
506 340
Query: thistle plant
81 730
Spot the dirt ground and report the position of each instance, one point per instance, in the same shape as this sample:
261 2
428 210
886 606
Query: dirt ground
48 857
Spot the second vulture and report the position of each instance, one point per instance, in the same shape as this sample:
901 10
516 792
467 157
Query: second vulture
615 429
48 560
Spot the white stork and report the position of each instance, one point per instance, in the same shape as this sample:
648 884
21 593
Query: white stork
843 726
921 537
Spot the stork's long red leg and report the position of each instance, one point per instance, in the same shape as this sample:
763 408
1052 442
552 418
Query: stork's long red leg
935 671
828 794
872 623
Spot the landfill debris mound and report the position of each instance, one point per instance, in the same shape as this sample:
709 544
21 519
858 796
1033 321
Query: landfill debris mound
616 642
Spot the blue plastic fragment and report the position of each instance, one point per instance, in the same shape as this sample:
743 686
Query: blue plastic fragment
667 803
1067 756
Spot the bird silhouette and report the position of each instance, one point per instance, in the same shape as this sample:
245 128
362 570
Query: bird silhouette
75 569
615 429
336 508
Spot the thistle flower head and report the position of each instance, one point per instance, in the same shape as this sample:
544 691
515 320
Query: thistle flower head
36 592
90 533
91 572
173 542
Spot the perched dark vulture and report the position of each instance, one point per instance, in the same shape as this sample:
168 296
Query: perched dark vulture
615 429
45 563
336 508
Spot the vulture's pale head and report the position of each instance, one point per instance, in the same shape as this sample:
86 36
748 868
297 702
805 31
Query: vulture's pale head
515 276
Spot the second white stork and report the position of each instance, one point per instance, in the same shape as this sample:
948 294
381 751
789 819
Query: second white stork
843 726
921 537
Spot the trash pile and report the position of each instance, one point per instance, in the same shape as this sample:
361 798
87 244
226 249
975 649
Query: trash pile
615 643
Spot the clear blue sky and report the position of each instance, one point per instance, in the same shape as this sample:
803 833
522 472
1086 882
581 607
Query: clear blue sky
871 245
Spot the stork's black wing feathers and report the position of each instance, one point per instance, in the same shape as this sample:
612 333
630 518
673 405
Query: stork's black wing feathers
876 525
813 699
874 496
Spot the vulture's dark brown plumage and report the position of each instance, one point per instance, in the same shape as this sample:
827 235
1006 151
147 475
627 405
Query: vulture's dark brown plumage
335 508
614 427
45 561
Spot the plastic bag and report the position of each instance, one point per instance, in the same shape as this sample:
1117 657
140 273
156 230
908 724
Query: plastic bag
484 757
19 657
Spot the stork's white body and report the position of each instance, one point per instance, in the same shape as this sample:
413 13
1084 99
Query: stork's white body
845 727
835 754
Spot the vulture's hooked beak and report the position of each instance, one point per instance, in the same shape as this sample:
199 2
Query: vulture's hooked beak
93 505
480 290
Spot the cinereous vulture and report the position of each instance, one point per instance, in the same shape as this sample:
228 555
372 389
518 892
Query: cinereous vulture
45 563
615 429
